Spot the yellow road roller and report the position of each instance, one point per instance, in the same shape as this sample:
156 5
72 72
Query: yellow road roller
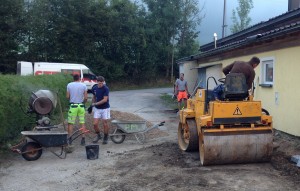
234 129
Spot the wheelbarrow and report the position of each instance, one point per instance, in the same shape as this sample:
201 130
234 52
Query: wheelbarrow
35 141
136 128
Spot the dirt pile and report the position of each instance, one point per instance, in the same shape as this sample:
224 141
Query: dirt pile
286 147
165 167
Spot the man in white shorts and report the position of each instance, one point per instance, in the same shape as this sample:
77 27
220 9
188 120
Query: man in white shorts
101 109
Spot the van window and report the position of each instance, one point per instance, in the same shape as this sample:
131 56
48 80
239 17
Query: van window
89 75
70 71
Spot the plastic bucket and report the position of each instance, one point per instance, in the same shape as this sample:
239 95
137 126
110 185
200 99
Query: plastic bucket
92 151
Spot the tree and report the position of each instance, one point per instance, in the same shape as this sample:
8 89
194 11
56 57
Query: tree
10 26
171 24
122 43
59 30
240 17
115 38
162 20
187 34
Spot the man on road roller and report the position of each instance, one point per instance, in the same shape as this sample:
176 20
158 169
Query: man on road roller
231 128
246 68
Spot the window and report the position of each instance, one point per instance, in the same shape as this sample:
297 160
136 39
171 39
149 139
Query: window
70 71
267 72
88 74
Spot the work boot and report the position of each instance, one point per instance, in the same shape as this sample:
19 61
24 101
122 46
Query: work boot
69 148
105 139
97 138
82 143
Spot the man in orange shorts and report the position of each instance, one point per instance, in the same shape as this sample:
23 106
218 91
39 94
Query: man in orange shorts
181 91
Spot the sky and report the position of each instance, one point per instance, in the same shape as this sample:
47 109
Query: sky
262 10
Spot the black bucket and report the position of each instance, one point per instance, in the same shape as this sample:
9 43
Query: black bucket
92 151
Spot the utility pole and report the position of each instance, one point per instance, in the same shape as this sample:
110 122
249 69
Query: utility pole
224 21
172 70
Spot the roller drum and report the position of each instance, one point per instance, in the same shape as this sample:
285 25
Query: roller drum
235 147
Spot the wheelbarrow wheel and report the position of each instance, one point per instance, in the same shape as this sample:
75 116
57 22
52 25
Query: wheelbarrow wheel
31 151
119 137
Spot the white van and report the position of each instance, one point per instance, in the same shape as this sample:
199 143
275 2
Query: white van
48 68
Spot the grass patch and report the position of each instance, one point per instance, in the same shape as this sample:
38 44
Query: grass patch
169 101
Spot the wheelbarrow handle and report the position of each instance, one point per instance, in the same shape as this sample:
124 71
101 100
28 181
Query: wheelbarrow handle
16 151
81 131
161 123
155 126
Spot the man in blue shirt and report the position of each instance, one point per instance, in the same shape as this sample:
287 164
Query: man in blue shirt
101 109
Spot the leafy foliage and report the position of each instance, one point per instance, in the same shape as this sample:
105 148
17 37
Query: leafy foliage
240 17
10 27
118 39
187 32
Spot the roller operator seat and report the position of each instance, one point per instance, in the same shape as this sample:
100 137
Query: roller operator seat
235 87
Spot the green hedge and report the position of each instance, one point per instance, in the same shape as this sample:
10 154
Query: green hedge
15 92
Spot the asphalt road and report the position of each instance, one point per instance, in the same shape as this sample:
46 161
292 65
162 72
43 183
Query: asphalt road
147 104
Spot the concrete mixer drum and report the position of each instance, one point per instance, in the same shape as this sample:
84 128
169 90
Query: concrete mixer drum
42 102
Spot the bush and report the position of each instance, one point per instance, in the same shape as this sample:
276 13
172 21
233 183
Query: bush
15 93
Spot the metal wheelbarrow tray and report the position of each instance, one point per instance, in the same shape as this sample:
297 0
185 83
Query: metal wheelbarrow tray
136 128
36 140
47 138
